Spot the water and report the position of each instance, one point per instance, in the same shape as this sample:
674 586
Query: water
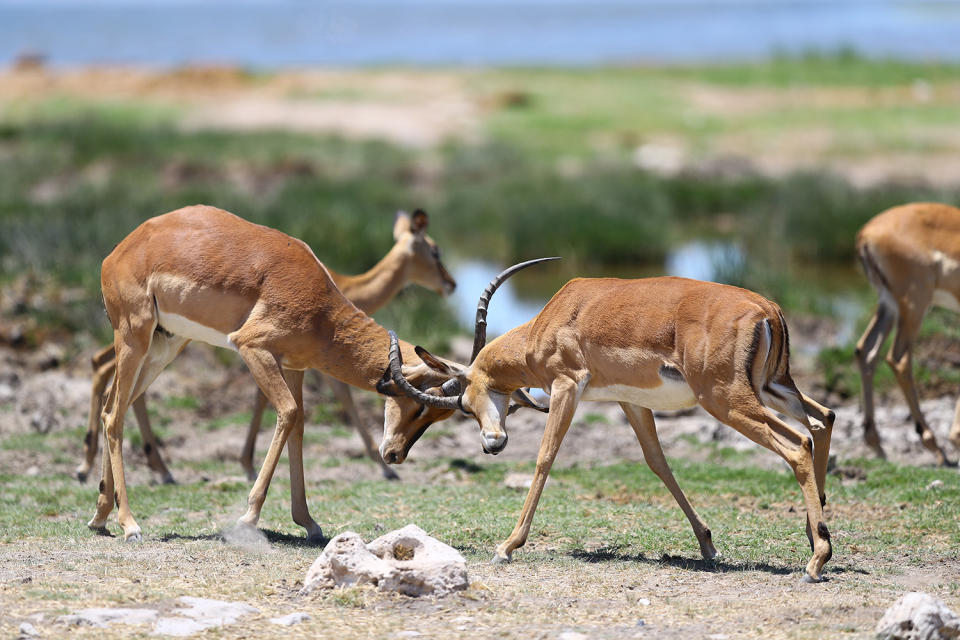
280 33
701 260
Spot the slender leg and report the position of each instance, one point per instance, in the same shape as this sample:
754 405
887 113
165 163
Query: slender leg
564 397
755 422
641 419
298 494
151 446
250 445
868 355
821 439
342 391
105 496
266 371
900 359
103 372
132 342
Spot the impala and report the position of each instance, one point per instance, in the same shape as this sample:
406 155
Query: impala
652 344
911 255
414 258
200 273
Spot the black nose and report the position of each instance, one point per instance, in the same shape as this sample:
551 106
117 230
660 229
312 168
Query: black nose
390 458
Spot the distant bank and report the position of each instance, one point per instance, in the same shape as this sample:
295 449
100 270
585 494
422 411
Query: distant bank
283 33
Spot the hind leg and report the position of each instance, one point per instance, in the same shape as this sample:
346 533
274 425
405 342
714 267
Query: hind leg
868 355
163 350
641 419
752 420
104 366
132 341
900 359
784 396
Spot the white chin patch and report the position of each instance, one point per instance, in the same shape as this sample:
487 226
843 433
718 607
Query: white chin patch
182 326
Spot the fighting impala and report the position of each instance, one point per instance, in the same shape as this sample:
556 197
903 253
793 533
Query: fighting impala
413 259
201 273
911 255
653 344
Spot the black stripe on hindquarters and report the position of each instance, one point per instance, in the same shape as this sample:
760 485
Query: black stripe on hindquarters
752 353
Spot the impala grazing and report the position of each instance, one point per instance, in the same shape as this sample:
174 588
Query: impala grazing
653 344
200 273
911 255
413 259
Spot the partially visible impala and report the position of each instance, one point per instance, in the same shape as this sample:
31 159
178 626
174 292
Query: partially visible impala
200 273
414 258
653 344
911 255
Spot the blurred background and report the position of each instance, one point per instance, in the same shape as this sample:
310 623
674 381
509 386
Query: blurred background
743 141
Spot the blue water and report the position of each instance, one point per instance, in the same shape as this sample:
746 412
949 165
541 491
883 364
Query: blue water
271 34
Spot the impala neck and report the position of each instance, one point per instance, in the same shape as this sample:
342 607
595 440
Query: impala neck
355 349
505 361
373 289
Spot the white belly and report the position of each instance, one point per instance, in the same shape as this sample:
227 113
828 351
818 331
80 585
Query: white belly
669 396
187 328
945 300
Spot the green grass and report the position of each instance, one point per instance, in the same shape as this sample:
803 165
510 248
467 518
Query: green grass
620 509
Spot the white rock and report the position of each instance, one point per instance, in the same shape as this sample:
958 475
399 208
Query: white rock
101 617
27 629
918 616
936 484
344 562
197 614
291 619
407 561
423 565
572 635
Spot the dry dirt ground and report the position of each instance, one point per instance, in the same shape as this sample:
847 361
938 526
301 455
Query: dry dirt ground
632 596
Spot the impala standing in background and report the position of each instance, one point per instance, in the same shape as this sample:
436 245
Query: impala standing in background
200 273
911 255
653 344
414 258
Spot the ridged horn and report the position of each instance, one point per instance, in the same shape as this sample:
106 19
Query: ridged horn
396 373
480 330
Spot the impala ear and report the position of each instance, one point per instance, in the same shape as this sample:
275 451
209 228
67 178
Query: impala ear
524 399
401 224
433 362
420 221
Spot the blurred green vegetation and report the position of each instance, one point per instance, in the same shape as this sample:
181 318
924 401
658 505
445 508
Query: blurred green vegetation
553 175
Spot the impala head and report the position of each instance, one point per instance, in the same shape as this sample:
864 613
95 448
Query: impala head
438 388
425 267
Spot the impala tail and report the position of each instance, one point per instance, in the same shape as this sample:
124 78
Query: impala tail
768 365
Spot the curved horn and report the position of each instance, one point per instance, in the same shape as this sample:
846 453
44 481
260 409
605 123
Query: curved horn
396 362
480 331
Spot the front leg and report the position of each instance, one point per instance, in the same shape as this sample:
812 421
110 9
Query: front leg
564 397
298 493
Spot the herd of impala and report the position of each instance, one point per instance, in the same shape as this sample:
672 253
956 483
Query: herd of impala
201 273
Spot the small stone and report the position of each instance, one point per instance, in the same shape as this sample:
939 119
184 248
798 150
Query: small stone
718 636
291 619
519 481
27 629
32 471
572 635
918 616
936 484
643 601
